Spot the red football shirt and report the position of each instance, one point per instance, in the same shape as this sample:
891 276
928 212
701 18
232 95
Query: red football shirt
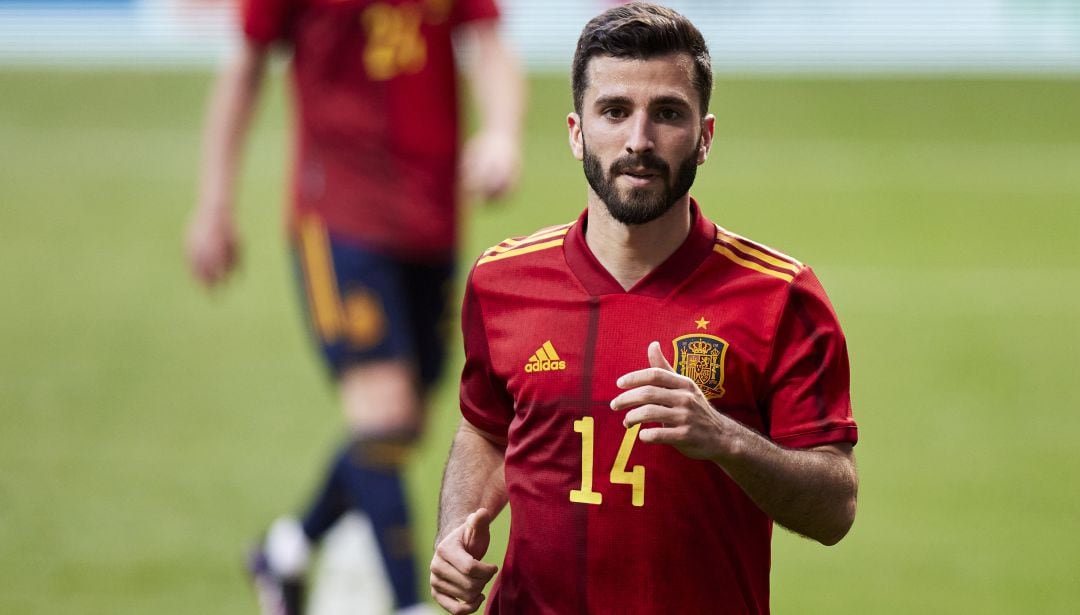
377 114
601 522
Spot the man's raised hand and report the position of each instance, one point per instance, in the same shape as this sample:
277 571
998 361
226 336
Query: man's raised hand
458 577
672 410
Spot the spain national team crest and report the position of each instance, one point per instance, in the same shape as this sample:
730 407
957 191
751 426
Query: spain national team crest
700 358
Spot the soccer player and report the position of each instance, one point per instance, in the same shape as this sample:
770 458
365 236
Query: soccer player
647 390
374 226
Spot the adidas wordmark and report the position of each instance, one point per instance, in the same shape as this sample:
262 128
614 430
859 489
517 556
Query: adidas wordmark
545 359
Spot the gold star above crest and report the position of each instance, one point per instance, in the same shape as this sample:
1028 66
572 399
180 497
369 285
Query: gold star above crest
702 323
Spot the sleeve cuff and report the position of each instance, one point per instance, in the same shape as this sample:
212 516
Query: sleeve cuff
494 428
820 437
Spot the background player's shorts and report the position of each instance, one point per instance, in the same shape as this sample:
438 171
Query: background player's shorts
364 306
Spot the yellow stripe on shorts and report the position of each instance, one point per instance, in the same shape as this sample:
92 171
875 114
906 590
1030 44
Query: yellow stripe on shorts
321 283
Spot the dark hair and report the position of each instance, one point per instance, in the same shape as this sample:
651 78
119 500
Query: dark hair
641 30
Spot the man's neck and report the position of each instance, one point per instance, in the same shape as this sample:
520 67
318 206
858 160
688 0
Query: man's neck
630 252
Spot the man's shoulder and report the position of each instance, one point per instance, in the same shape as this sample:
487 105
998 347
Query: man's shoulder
754 259
514 248
520 262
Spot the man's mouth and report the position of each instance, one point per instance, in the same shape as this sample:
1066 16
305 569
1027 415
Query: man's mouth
639 177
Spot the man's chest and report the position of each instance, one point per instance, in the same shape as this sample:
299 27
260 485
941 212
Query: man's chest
568 353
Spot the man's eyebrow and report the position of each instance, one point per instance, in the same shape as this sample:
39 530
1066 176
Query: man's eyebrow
615 99
674 101
612 100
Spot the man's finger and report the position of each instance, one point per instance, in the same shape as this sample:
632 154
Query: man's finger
469 534
657 359
646 394
477 535
652 375
448 586
456 585
466 565
455 606
479 520
660 435
651 414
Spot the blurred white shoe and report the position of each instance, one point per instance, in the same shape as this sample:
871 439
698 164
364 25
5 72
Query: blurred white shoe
349 578
287 549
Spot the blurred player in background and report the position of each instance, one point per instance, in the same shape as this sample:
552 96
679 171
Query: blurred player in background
375 193
640 483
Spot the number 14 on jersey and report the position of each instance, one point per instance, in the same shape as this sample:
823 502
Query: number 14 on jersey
635 477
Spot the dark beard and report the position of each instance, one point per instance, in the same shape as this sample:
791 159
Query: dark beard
640 205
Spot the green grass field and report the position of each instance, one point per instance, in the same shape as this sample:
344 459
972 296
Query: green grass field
149 430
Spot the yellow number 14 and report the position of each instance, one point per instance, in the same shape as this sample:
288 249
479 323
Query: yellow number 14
619 475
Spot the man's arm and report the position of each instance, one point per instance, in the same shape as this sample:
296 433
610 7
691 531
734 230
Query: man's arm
812 491
473 493
491 160
211 238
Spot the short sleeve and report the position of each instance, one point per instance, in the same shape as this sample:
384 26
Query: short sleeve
485 401
265 21
809 377
465 11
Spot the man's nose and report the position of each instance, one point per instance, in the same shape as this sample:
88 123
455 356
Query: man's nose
640 138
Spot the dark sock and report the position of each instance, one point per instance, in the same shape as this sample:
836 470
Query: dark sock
367 476
331 502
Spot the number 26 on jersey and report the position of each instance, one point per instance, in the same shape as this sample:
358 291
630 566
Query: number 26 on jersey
635 477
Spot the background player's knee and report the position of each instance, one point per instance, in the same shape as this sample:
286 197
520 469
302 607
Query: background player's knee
381 397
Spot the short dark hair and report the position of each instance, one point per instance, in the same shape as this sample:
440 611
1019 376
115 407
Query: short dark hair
641 30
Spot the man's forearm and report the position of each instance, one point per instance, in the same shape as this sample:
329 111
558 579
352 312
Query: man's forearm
231 107
812 491
473 479
497 81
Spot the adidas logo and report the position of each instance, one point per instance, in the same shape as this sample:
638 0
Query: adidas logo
545 359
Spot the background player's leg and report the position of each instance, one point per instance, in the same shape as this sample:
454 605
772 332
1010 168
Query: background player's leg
382 412
379 434
329 503
382 409
385 406
360 308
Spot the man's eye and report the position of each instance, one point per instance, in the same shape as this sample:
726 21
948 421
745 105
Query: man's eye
669 115
615 113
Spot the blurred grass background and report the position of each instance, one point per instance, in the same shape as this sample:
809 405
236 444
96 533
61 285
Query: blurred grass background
149 431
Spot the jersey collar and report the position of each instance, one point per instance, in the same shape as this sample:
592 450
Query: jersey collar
660 281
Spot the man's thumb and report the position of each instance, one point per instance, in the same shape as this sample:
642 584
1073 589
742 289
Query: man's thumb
477 535
656 357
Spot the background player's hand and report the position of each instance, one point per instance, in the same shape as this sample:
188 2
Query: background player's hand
675 409
458 577
490 165
212 247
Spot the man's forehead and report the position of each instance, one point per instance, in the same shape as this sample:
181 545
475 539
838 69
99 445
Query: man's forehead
670 75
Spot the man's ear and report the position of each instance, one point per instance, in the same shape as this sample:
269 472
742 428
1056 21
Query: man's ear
577 145
708 126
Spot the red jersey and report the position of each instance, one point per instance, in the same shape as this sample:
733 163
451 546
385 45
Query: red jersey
377 114
604 523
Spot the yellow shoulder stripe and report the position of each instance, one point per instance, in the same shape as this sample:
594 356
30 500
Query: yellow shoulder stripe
722 249
536 247
790 264
510 244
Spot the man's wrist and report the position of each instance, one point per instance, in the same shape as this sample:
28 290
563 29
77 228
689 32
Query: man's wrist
737 442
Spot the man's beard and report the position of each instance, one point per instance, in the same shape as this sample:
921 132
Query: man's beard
640 205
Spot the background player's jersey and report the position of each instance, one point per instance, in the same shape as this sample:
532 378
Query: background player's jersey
601 522
377 114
